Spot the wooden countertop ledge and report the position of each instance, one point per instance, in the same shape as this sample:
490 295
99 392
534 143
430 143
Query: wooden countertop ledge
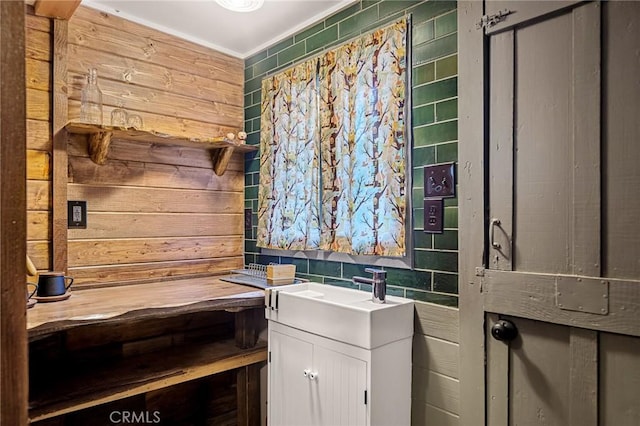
136 301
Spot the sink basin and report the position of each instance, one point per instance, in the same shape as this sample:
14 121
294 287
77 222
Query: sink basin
342 314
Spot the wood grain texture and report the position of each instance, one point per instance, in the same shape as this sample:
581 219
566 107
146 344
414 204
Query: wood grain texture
145 74
99 144
534 296
586 140
619 378
83 170
188 220
583 377
38 225
497 377
104 252
621 107
154 200
122 304
147 225
248 386
137 376
14 381
112 275
155 153
60 9
138 42
38 105
39 252
501 154
34 22
38 165
38 195
158 101
38 44
39 135
59 118
471 83
166 124
38 75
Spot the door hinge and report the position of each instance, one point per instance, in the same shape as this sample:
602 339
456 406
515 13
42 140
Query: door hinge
269 356
488 21
365 397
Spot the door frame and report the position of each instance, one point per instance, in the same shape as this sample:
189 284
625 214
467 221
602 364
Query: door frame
13 224
472 130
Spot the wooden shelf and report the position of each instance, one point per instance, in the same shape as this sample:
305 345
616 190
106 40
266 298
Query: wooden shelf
100 137
77 387
132 302
82 382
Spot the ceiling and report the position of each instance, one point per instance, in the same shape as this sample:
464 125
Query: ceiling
206 23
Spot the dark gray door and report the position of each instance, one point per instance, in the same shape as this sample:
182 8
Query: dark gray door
561 256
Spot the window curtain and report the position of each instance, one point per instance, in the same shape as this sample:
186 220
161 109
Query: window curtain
362 115
288 198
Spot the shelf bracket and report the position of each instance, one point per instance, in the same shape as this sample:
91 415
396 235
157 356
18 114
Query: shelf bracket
99 144
220 158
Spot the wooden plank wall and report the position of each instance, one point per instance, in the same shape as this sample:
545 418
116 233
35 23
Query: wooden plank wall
39 141
435 385
154 211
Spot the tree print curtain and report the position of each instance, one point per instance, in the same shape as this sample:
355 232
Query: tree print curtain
332 143
288 198
362 104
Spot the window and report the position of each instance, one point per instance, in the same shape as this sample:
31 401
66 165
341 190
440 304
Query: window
333 172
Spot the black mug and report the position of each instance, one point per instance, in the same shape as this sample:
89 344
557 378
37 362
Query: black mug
53 284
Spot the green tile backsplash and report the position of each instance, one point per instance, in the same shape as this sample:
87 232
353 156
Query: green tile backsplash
434 118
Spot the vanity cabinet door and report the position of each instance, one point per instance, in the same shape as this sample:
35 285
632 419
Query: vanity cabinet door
311 384
290 397
339 388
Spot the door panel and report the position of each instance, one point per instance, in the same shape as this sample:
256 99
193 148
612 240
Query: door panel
562 112
289 357
619 378
532 371
342 381
543 121
621 135
523 11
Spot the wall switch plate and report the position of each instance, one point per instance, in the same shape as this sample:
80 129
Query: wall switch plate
77 214
440 180
247 219
434 216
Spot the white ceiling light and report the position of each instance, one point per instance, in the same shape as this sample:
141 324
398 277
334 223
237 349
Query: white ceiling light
241 5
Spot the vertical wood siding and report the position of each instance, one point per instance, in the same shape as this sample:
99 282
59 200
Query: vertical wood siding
38 81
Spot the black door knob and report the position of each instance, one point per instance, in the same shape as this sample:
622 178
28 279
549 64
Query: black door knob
504 330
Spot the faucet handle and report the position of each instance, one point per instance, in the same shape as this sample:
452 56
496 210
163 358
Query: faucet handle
377 273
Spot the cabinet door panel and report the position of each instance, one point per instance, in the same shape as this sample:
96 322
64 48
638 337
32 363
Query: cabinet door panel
290 398
340 388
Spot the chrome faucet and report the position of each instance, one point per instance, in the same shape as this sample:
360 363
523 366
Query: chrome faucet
378 284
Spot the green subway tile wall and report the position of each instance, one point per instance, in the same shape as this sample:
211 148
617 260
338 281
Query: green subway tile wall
435 136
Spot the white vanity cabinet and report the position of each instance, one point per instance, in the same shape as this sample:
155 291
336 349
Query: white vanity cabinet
324 370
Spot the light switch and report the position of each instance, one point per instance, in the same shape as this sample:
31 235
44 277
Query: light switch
439 180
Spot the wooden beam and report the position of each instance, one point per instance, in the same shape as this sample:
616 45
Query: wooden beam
60 156
60 9
13 223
